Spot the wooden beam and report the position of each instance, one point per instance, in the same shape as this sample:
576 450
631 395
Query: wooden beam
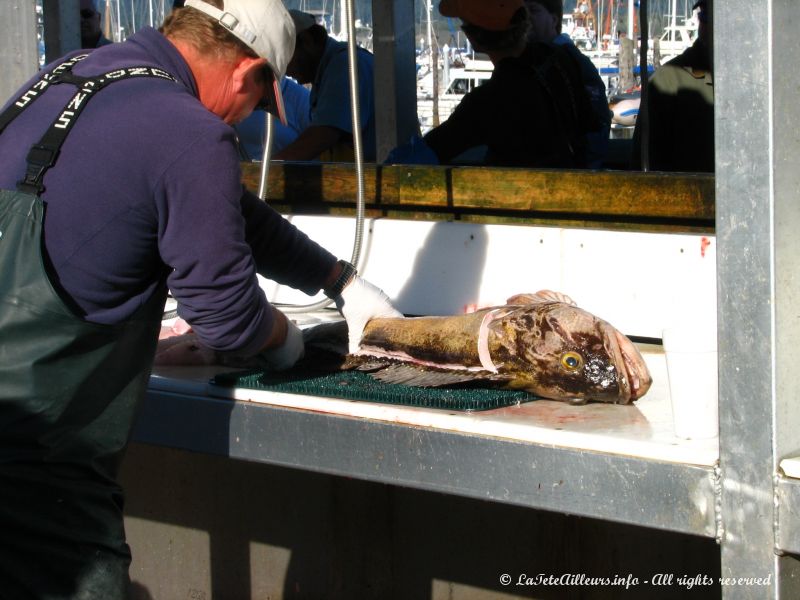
640 200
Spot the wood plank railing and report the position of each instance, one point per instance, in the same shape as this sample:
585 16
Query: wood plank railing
609 199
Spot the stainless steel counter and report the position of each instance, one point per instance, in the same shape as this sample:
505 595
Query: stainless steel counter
619 463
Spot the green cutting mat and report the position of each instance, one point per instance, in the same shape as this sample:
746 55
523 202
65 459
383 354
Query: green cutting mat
355 385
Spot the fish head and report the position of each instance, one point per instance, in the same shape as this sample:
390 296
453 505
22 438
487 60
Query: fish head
566 353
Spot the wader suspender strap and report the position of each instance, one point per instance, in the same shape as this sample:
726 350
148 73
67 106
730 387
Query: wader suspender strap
36 90
43 155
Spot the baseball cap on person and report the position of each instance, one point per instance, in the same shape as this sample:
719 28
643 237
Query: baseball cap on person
302 20
493 15
265 27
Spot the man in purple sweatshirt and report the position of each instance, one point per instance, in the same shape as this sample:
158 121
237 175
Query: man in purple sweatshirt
119 179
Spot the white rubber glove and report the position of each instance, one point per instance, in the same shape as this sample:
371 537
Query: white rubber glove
287 354
359 302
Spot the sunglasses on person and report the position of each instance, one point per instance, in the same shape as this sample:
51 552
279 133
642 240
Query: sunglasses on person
266 102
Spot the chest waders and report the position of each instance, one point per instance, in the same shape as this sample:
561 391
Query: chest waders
69 391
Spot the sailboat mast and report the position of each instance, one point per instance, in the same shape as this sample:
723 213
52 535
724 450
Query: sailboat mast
430 27
673 20
107 21
631 12
598 28
342 20
433 57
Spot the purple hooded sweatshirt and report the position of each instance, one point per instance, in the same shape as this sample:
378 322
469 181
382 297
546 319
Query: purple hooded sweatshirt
148 186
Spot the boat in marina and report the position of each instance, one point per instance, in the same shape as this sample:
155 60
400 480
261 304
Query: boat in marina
674 40
455 83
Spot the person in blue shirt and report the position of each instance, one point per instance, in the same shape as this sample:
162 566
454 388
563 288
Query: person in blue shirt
322 61
298 117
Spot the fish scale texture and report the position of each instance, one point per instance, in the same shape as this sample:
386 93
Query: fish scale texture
354 385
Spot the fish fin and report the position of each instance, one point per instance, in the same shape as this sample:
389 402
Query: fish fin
424 377
540 297
363 363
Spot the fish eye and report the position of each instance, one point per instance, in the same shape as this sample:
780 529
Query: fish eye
571 361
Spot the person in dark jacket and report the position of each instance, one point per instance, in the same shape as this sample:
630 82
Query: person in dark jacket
120 179
91 31
676 122
533 112
546 18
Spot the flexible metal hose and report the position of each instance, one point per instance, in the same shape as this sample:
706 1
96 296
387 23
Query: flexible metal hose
269 134
355 107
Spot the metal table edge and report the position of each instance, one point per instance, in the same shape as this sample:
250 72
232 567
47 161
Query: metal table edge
660 495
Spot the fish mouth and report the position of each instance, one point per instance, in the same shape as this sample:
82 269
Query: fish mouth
635 379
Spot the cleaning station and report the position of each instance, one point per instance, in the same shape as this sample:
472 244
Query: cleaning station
579 381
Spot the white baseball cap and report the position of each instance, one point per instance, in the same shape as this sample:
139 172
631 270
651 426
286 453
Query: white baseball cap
265 27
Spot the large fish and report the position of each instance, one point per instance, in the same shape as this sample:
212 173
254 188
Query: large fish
540 342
